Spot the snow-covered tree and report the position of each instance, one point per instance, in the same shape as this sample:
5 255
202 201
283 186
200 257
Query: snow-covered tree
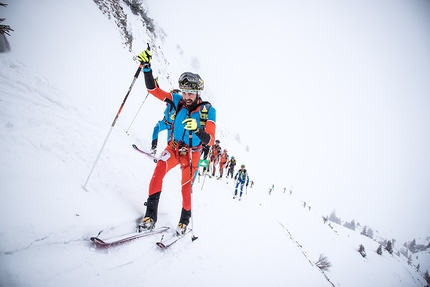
389 247
4 29
362 250
427 277
379 250
370 233
334 218
364 231
413 246
350 225
323 263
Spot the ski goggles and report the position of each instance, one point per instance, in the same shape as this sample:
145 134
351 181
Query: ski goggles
190 91
190 83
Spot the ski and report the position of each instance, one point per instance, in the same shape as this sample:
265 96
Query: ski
148 154
169 242
126 237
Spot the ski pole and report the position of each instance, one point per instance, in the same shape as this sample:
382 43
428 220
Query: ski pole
136 75
136 114
190 135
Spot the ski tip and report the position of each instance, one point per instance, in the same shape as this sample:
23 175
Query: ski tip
194 238
97 240
134 146
161 245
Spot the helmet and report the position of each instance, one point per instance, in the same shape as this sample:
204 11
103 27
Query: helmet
217 141
242 166
191 83
232 157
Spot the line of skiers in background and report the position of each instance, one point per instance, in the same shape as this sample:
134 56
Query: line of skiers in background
216 156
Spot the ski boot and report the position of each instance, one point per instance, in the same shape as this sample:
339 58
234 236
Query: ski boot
181 229
147 224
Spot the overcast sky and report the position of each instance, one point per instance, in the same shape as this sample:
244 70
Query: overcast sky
335 95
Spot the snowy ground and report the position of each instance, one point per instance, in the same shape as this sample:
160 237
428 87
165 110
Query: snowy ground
53 123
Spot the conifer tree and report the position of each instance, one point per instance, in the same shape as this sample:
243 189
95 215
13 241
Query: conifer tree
389 247
379 250
4 29
427 277
362 250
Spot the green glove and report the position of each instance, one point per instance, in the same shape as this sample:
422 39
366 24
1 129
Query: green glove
145 57
190 124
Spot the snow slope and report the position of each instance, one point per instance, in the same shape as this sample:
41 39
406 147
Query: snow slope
60 88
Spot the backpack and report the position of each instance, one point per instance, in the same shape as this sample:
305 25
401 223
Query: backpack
232 162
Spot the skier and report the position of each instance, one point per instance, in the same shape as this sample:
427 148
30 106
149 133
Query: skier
164 124
193 125
222 161
271 189
215 154
205 154
240 177
230 166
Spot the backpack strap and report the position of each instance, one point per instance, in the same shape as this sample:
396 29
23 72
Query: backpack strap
204 110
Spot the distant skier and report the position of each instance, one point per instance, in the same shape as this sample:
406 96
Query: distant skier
222 161
241 177
215 154
204 155
271 189
230 166
188 129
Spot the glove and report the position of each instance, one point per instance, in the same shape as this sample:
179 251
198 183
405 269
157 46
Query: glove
154 144
190 124
145 57
246 184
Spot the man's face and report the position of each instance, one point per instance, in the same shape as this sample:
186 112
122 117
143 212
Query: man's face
189 98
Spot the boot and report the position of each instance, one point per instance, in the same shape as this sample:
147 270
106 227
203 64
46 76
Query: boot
147 224
150 218
183 222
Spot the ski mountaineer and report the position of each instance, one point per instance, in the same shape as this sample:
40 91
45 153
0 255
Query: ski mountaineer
164 124
194 124
205 154
230 166
222 161
240 177
215 154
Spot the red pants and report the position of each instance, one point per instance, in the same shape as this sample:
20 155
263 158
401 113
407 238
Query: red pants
214 161
221 168
169 158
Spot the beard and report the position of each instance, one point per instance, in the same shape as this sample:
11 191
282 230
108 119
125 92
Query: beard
190 104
